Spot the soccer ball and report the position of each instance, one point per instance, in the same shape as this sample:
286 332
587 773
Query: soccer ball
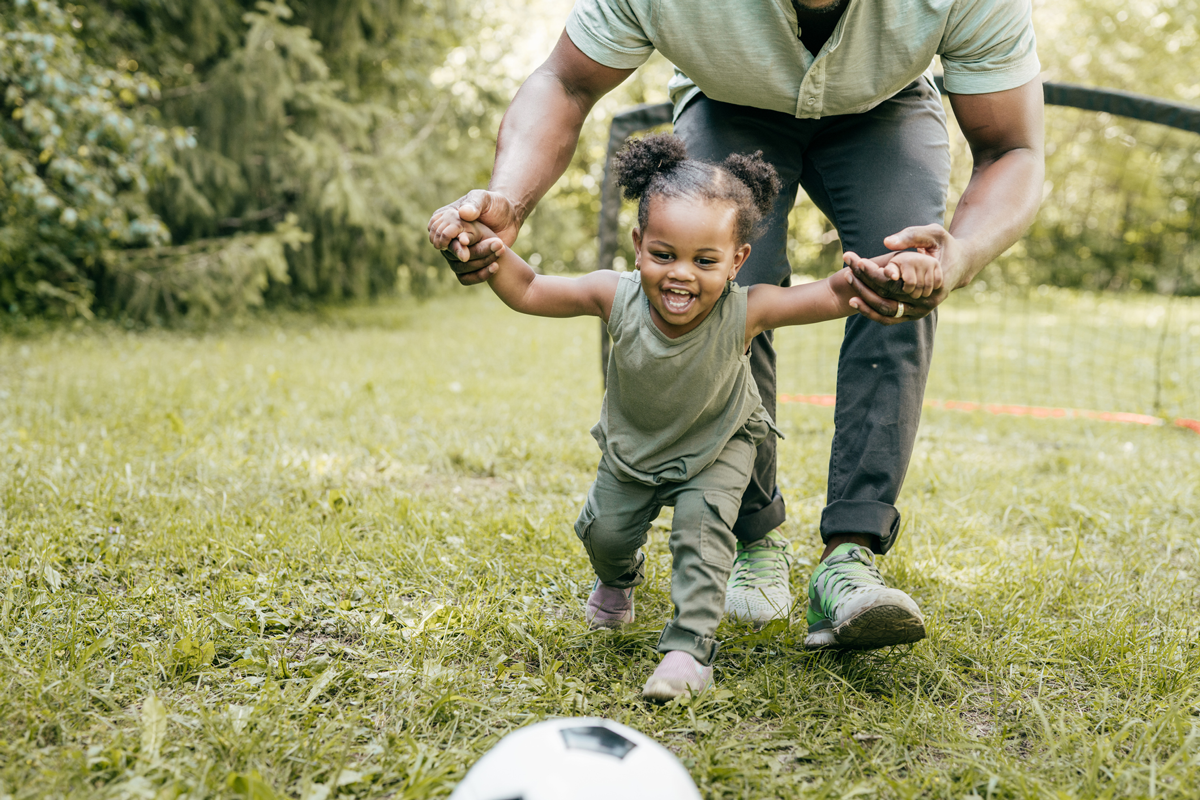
584 758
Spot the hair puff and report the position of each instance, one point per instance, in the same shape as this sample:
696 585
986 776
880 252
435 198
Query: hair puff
758 176
644 159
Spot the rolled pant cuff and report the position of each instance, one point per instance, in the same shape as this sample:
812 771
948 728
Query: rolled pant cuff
630 579
757 524
862 516
702 648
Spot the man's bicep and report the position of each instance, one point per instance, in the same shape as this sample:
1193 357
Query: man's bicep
999 122
583 77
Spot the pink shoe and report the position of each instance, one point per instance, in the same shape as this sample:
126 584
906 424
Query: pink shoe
678 674
608 606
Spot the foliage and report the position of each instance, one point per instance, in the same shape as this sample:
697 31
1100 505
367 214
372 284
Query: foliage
78 152
208 275
334 132
358 118
1119 208
320 152
297 561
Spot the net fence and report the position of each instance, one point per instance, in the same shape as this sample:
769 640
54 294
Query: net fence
1094 313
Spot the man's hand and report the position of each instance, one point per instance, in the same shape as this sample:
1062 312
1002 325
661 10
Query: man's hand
920 277
460 244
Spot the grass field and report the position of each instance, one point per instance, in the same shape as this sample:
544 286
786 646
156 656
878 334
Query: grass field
331 556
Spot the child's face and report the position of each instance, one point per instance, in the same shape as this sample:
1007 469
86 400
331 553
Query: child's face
686 254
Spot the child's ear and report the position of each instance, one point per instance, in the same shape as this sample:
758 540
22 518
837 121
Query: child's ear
637 238
739 258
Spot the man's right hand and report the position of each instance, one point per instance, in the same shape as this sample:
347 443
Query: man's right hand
470 261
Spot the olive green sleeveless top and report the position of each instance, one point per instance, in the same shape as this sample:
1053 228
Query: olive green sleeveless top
673 404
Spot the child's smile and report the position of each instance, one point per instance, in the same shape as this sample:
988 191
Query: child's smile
686 255
677 301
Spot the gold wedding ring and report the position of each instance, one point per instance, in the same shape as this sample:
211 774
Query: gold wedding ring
899 310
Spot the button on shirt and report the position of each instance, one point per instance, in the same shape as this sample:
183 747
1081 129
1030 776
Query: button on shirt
748 52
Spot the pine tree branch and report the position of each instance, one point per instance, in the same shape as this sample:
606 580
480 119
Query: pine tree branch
423 134
274 212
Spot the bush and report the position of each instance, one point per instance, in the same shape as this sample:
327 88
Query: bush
78 152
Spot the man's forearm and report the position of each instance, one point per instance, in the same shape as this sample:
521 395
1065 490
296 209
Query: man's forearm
1006 133
997 207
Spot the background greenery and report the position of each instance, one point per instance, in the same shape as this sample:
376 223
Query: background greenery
170 158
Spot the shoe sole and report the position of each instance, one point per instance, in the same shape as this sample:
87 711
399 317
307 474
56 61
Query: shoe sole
879 626
661 691
608 624
757 608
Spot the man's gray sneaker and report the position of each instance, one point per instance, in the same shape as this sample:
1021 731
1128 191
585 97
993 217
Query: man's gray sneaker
849 607
758 590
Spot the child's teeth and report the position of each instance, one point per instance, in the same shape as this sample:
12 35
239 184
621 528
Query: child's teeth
677 300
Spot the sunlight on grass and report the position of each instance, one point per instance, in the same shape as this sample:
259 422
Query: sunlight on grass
334 553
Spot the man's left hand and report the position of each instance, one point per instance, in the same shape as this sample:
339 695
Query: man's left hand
929 267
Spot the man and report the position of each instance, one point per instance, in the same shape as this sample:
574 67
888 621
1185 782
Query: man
837 95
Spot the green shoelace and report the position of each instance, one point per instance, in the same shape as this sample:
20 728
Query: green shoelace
760 561
842 573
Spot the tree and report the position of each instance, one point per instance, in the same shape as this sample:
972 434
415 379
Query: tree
77 155
255 160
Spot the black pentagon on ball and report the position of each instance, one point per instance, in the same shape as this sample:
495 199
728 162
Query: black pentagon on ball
598 739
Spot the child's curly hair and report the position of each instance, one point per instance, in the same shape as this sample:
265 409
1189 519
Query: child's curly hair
658 165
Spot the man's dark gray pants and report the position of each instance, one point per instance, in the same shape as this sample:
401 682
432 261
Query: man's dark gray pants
872 175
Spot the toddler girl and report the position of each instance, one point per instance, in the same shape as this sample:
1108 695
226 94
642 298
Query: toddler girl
681 416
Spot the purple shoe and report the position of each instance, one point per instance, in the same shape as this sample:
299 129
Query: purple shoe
608 606
678 674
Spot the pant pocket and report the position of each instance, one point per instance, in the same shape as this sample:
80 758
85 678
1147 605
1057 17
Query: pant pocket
716 530
583 528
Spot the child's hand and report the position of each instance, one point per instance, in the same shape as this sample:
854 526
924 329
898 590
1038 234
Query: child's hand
462 233
489 240
459 233
864 299
916 277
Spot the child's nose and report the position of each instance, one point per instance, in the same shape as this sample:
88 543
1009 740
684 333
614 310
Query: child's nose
681 270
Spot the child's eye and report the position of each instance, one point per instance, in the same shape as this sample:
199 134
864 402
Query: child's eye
663 256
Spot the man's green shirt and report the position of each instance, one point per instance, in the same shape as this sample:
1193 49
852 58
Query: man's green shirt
748 52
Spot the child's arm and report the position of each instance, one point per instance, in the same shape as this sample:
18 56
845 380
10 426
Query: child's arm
522 289
770 307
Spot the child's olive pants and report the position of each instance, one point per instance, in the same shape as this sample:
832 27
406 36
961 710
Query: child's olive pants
617 516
